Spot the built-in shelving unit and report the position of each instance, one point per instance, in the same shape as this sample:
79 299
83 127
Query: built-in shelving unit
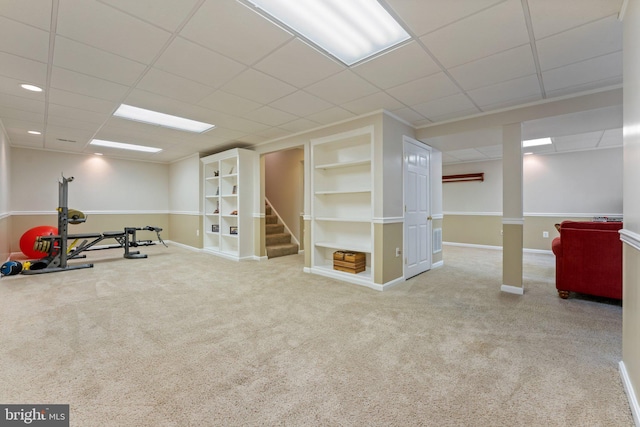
342 202
228 203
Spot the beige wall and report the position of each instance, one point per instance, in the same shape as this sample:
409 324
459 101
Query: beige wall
5 192
388 267
185 229
5 239
631 290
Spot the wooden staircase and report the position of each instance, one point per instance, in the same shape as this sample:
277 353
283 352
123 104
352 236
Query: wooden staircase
278 241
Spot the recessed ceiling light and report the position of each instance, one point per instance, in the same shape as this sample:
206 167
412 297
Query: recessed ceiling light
98 154
123 146
350 30
32 88
161 119
536 142
34 132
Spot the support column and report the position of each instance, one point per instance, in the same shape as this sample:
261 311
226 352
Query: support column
512 215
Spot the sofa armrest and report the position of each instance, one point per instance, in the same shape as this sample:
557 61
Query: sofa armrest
556 247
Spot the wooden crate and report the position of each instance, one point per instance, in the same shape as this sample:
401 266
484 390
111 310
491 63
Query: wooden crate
349 262
349 270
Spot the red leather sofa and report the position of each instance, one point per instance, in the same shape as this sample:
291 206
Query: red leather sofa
589 259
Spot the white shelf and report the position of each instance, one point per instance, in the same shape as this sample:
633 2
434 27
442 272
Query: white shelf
342 219
344 164
343 246
330 192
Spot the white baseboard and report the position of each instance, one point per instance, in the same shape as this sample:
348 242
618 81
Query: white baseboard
182 245
437 264
631 395
512 289
497 248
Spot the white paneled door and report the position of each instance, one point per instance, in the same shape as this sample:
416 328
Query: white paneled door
417 208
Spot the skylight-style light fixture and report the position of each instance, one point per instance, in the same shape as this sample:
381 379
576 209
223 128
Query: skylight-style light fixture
350 30
123 146
536 142
31 88
161 119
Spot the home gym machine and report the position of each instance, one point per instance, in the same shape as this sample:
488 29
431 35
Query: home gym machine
57 246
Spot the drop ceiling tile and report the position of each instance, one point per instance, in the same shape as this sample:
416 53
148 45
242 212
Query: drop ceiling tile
108 29
268 134
259 87
238 32
298 64
23 40
20 103
491 151
71 123
577 142
164 104
72 81
67 139
194 62
490 31
301 103
23 69
35 13
342 87
167 14
377 101
237 123
331 115
26 143
20 126
26 116
270 116
409 115
77 114
228 103
91 61
416 63
550 17
299 125
423 16
444 108
611 138
21 134
9 86
506 65
172 86
585 42
424 90
584 74
448 158
511 91
88 103
467 154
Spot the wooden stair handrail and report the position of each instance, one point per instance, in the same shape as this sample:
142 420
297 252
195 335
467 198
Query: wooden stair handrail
463 177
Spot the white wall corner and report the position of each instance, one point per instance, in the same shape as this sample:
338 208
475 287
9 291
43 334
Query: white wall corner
631 395
512 289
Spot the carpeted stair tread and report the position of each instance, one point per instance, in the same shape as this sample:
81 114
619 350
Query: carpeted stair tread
278 239
274 251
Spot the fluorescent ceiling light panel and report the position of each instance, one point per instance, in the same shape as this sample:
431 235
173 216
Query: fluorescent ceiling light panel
536 142
32 88
350 30
160 119
123 146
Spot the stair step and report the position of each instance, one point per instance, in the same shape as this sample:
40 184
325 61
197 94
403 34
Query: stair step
278 238
267 210
282 250
274 228
271 219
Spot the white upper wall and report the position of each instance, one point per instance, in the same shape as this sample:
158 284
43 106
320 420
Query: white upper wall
5 162
578 183
101 185
184 186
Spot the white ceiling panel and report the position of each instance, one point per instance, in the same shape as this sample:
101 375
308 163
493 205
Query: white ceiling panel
23 40
88 60
83 84
172 86
342 87
221 62
577 142
301 103
552 16
416 63
469 154
424 90
299 64
258 86
229 103
194 62
493 69
270 116
168 14
23 69
611 138
585 42
585 74
234 30
440 12
492 151
521 90
106 28
490 31
377 101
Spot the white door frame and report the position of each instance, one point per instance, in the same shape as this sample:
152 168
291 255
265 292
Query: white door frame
426 264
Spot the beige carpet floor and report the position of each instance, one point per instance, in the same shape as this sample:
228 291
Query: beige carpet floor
184 338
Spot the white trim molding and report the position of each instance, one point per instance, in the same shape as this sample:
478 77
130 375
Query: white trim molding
437 216
5 215
472 213
513 221
631 395
388 220
195 213
512 289
437 264
103 212
306 217
630 238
